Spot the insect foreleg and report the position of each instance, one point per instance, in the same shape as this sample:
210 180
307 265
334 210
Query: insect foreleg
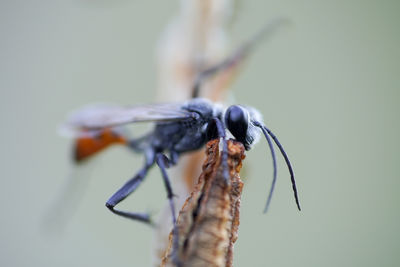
125 191
224 156
163 163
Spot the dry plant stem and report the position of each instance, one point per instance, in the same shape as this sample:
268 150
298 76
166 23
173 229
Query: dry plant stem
208 221
195 39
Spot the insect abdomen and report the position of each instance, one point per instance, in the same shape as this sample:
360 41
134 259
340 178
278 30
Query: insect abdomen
89 145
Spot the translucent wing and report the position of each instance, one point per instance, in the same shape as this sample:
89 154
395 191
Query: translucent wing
95 117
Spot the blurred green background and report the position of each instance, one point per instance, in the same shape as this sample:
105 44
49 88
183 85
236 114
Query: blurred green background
328 87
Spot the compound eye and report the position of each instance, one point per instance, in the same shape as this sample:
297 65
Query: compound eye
237 122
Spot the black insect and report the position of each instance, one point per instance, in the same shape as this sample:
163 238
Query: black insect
180 128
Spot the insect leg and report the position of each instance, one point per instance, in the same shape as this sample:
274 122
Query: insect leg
125 191
238 56
224 156
163 163
174 157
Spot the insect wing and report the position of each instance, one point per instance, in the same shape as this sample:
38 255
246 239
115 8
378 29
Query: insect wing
104 116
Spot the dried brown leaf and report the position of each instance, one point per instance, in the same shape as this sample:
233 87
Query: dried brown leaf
208 221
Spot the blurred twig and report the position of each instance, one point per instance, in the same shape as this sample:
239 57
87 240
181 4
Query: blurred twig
193 40
208 221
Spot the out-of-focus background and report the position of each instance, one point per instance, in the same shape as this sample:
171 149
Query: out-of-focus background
328 86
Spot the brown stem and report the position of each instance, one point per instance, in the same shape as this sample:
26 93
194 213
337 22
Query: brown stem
208 221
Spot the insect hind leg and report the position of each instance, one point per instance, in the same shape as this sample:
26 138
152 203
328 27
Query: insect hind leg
163 163
125 191
235 59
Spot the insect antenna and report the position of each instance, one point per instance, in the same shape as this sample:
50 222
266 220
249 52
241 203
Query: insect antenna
271 147
267 132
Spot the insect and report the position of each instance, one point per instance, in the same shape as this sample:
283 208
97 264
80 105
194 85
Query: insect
179 128
89 143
